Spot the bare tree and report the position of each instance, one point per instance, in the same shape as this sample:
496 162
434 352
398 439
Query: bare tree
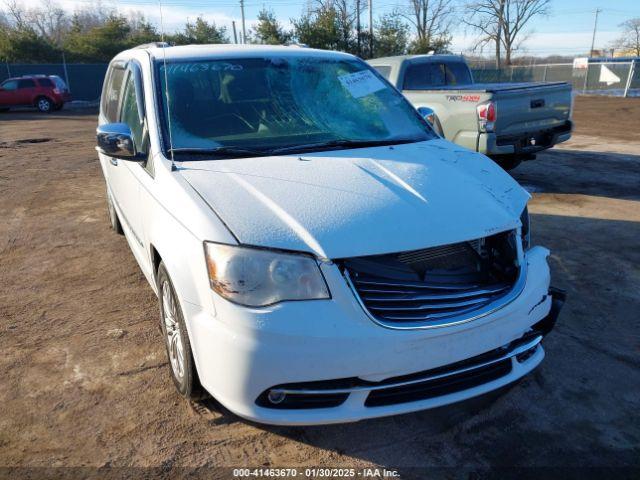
50 21
16 14
630 40
431 20
502 22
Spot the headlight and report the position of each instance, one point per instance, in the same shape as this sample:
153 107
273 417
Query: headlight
526 229
257 277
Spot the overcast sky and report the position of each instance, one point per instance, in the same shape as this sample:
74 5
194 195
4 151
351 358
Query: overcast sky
567 30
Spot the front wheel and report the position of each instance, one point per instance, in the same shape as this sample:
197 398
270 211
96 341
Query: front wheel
174 330
44 105
113 216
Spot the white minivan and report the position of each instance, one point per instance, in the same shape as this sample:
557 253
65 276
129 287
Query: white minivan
320 255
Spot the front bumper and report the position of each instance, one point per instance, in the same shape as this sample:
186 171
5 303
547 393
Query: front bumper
242 353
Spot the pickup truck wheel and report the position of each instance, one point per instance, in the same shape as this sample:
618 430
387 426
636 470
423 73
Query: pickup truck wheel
113 216
44 105
174 330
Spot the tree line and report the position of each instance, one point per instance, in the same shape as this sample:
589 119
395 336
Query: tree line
97 33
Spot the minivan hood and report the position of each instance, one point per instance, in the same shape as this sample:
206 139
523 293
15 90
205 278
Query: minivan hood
358 202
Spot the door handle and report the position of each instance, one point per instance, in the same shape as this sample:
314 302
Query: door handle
114 161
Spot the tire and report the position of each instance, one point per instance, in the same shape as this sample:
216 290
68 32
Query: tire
113 216
176 339
44 105
4 109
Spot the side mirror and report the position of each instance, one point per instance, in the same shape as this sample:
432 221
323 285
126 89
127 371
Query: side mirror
116 140
428 114
432 119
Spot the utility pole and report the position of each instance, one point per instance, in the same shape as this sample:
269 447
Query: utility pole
244 31
235 34
66 74
371 28
595 26
358 26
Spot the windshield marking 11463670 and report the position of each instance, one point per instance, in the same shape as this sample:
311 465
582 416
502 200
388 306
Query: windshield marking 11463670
258 106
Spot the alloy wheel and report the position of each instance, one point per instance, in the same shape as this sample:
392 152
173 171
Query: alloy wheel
172 332
44 105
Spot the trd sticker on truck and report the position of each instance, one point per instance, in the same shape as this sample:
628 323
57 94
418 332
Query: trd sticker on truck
463 98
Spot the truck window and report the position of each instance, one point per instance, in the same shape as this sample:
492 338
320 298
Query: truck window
112 93
424 76
384 70
457 73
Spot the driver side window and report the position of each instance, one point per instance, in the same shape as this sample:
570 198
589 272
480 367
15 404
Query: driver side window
129 114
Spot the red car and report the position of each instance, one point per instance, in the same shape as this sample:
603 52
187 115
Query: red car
45 92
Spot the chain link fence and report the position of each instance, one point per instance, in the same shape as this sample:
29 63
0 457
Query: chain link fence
594 78
84 80
601 78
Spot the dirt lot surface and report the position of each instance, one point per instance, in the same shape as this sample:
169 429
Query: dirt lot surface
85 381
608 117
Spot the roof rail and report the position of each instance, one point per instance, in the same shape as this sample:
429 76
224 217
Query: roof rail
153 45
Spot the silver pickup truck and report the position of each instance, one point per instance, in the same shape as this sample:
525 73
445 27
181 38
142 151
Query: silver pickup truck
509 122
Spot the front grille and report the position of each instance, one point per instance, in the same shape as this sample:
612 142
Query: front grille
435 382
438 387
431 286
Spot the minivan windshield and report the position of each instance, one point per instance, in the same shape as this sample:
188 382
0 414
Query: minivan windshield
289 104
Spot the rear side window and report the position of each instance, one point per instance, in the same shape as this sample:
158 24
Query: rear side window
59 83
26 83
112 94
384 70
424 76
45 82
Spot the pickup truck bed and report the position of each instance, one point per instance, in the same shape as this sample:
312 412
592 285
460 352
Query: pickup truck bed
529 117
499 87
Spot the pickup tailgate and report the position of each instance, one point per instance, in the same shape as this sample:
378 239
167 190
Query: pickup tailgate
529 108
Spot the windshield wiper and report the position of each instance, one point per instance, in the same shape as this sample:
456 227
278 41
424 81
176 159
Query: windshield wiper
223 150
339 143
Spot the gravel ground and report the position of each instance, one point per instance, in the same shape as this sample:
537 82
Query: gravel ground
85 382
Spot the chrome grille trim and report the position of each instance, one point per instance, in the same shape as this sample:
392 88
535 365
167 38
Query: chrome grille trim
403 295
450 320
496 297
